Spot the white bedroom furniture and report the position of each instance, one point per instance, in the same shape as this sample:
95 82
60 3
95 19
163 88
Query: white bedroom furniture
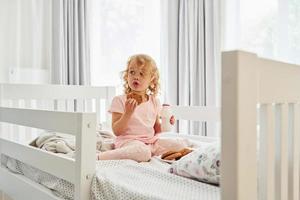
264 95
82 125
259 137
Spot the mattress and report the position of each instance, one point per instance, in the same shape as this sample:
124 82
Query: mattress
123 179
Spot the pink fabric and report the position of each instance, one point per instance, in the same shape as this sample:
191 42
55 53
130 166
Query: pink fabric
140 125
139 142
134 150
140 152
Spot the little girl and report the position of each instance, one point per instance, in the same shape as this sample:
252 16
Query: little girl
135 121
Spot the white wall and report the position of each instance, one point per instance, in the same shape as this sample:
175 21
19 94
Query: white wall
25 36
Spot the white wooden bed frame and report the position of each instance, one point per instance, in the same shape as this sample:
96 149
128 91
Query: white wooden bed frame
247 81
82 125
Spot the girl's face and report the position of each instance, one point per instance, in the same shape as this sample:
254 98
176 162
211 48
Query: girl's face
139 77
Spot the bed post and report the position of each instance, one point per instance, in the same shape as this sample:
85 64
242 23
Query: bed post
238 113
85 165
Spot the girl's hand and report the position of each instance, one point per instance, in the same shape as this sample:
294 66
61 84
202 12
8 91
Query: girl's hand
172 120
130 106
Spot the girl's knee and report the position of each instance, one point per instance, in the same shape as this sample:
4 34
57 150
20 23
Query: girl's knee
170 144
143 154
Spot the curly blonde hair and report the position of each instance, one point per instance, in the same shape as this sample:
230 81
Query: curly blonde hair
143 60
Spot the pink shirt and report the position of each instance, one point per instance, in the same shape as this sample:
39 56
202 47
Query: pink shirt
141 123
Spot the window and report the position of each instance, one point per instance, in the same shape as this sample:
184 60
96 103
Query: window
120 29
266 27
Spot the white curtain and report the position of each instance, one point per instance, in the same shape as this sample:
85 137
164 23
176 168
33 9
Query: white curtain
70 46
25 39
192 57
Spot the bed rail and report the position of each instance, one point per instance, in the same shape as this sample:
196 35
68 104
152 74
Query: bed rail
197 113
82 125
260 112
65 122
73 98
61 167
13 183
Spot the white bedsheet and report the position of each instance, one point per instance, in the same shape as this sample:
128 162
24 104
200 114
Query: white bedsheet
125 179
129 180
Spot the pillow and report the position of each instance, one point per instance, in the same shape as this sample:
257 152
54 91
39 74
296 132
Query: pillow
202 164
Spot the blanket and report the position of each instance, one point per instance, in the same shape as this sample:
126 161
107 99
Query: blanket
54 142
124 179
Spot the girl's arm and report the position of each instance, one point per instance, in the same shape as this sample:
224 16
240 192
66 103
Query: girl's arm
119 120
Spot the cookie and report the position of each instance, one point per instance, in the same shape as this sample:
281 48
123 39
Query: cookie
173 156
137 97
168 154
176 155
185 151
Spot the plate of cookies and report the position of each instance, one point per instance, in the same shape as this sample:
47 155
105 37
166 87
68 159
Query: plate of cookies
172 156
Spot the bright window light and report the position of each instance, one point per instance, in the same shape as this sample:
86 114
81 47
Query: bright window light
118 30
269 28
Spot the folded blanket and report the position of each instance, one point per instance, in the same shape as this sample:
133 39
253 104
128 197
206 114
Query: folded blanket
54 142
105 140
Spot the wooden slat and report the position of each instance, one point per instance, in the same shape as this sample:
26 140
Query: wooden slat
40 104
98 110
32 131
63 168
49 104
56 121
294 161
79 105
110 93
70 105
262 164
9 127
5 127
61 105
284 152
93 105
270 161
197 113
88 105
16 135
